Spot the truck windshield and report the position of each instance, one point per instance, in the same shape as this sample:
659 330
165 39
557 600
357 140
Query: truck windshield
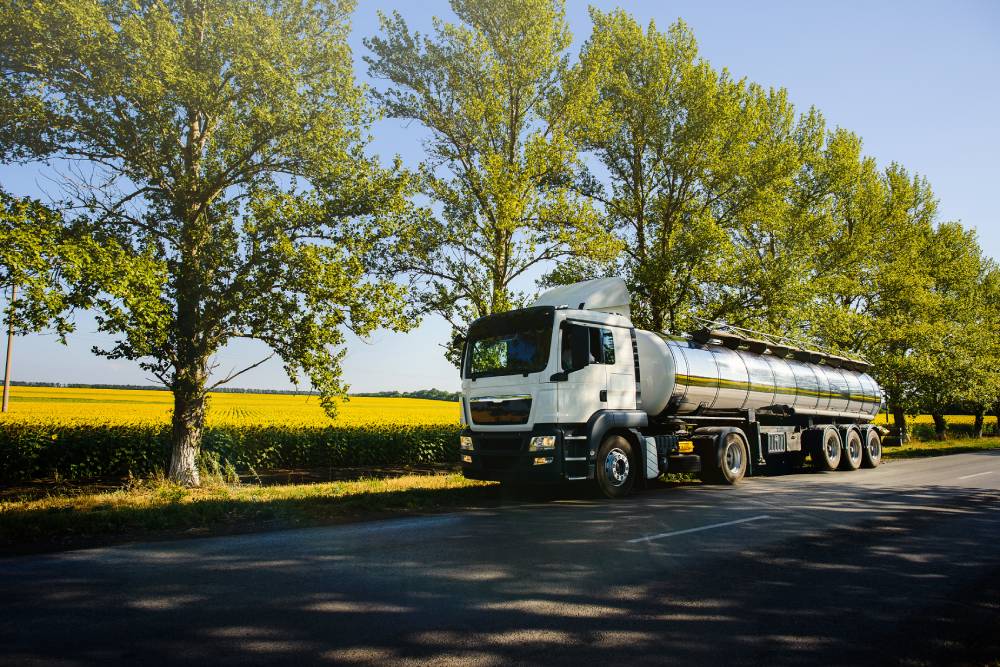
509 343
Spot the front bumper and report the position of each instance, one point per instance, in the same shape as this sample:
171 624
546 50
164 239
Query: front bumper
504 456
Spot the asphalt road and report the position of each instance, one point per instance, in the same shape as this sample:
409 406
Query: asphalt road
899 565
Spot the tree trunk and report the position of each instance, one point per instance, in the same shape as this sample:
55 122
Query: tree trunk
977 424
188 422
939 425
902 428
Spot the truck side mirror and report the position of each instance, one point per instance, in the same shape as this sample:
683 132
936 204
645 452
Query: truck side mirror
579 342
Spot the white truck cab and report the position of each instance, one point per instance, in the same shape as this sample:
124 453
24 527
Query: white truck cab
534 379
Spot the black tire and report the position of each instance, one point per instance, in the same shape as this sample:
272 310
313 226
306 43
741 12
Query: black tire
725 464
872 455
850 458
826 456
616 468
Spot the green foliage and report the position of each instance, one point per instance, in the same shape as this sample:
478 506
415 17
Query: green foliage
701 183
76 452
44 255
902 291
231 177
982 389
500 159
28 257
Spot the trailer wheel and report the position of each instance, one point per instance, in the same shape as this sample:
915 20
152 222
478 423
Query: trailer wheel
872 455
725 464
826 456
615 467
734 459
853 452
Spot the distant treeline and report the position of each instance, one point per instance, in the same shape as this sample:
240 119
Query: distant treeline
75 385
432 394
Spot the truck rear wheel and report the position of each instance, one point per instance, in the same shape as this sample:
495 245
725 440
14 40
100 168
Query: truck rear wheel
853 451
615 467
872 455
725 464
826 456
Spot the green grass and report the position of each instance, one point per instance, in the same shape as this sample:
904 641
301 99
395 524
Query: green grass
922 448
159 508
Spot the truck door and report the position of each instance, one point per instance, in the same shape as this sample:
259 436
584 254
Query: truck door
621 368
585 390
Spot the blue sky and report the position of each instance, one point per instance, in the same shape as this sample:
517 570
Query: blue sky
919 81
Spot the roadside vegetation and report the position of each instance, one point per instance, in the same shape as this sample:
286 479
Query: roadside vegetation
922 448
113 433
157 507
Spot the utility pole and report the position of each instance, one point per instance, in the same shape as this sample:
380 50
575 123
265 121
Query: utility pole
10 347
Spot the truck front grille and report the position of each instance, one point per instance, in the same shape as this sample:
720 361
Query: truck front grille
500 410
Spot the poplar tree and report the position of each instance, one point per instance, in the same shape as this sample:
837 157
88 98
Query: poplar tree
223 151
700 183
499 157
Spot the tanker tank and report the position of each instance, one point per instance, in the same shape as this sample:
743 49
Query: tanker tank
683 376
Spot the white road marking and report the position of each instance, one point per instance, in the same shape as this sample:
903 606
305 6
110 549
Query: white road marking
978 474
699 528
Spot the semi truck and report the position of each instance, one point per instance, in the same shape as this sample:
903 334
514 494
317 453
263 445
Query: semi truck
568 389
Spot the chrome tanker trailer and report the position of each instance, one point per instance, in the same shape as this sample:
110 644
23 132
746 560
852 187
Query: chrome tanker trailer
568 389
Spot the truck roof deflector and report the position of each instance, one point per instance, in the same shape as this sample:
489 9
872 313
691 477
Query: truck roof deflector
607 295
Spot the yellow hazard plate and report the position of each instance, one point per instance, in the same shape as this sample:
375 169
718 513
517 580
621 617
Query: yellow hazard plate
685 446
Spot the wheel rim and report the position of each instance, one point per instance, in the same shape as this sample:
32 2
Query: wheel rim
874 448
832 448
855 448
616 467
734 458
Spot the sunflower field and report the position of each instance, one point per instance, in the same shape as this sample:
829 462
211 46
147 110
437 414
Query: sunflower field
80 433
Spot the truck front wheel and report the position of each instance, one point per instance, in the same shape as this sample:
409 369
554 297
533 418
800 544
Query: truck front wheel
615 467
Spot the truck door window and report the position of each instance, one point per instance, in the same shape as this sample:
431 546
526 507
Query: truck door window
601 347
608 341
596 349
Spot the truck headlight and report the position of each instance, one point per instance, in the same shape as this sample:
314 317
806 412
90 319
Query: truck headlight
540 443
465 442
